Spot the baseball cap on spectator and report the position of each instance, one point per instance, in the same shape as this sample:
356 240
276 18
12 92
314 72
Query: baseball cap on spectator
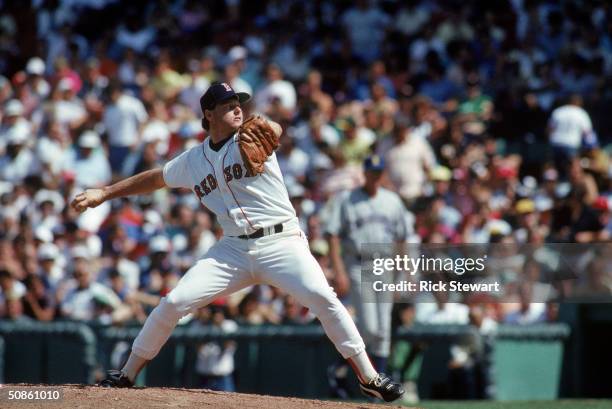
48 251
153 217
179 242
89 140
601 204
14 107
79 251
551 175
155 131
345 123
528 187
43 234
319 247
65 84
506 172
441 174
295 190
499 227
217 93
35 66
322 162
373 163
159 244
525 206
68 175
45 195
18 134
237 52
543 203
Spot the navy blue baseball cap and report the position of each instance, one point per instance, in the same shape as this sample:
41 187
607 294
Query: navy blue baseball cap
217 93
374 163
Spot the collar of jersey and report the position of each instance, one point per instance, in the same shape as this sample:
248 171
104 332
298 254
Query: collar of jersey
224 144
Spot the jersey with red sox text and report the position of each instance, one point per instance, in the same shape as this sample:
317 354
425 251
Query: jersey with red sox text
241 201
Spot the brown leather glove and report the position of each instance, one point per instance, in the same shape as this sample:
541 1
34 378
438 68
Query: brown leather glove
256 141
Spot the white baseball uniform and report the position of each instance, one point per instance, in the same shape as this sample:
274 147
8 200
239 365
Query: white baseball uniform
243 204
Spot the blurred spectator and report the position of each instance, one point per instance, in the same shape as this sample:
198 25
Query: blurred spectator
18 160
409 160
11 290
276 95
122 119
215 360
89 162
83 299
570 129
51 273
365 26
37 304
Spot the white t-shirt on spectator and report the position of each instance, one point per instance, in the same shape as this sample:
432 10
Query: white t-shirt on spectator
78 304
66 112
16 169
450 313
22 126
304 140
366 30
18 290
93 171
406 165
295 164
569 124
138 40
52 153
241 85
534 314
122 120
214 359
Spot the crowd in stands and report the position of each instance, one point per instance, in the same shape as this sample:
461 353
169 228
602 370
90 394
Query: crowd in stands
492 118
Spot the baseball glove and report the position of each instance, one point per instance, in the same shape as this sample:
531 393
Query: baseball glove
256 141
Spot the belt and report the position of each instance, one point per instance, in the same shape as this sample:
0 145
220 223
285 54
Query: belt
265 231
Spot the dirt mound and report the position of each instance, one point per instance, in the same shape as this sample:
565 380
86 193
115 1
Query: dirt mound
80 396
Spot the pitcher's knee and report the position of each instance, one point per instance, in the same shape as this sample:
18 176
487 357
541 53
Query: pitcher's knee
324 303
171 308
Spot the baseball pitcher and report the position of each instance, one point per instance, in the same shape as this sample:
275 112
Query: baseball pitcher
235 174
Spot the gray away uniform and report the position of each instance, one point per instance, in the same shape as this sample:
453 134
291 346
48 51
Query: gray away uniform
357 219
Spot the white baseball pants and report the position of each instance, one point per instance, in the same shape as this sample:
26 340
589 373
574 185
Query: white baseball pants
282 260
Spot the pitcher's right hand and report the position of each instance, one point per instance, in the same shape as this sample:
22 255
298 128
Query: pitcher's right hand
89 198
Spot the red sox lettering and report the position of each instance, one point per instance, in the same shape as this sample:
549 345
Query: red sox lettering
231 172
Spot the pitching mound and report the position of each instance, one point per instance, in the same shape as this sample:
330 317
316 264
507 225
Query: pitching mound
79 396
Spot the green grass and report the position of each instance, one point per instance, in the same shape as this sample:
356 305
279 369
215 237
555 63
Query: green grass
557 404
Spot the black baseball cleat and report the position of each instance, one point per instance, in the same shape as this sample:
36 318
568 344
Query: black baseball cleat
116 379
382 387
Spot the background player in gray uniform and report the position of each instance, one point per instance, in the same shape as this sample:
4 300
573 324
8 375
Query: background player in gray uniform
368 214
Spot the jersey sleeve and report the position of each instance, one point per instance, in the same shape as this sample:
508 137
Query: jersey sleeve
176 172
